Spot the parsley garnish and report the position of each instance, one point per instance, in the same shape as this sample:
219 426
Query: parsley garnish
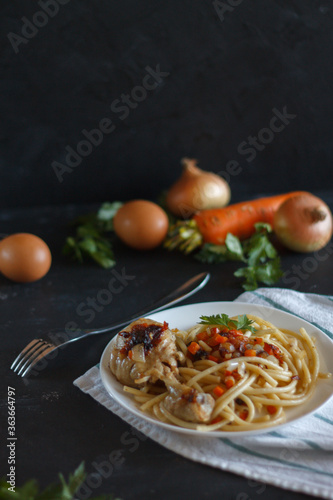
242 322
92 236
257 252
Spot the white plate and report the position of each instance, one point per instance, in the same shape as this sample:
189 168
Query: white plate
184 317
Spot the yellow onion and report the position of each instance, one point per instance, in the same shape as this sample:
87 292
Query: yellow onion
196 190
303 223
138 353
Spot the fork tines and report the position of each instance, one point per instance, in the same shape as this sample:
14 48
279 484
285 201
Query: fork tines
31 354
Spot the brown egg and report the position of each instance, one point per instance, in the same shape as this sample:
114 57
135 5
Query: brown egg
24 257
141 224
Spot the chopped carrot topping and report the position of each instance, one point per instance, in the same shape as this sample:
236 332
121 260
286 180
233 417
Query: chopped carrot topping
130 354
236 333
259 340
250 353
212 340
216 420
271 409
243 414
194 347
213 358
234 374
218 391
216 339
229 382
203 336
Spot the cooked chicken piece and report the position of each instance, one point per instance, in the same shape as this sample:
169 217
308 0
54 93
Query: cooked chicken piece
189 404
145 351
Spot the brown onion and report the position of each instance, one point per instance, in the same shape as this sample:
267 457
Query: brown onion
303 223
138 353
196 190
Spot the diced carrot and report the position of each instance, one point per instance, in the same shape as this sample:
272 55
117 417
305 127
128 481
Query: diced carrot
259 340
243 414
212 341
229 382
216 339
236 333
203 336
228 373
220 339
216 420
130 354
194 347
212 358
271 409
250 353
218 391
215 330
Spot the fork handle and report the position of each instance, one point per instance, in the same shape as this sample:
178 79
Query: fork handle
181 293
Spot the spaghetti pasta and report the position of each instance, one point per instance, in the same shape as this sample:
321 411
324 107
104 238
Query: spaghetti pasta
250 378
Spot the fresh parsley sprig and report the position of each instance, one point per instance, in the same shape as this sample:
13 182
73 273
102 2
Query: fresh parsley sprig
63 490
91 237
242 323
257 252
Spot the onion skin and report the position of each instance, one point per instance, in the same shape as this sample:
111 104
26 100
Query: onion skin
196 190
303 223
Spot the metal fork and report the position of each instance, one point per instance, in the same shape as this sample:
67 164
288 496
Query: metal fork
38 349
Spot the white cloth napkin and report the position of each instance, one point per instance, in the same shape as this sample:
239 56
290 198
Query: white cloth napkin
298 457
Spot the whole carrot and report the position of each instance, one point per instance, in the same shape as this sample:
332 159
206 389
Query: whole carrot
239 218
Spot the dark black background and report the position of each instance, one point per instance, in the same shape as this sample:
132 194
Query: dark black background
225 78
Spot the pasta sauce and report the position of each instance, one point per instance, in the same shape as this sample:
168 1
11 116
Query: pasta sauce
228 344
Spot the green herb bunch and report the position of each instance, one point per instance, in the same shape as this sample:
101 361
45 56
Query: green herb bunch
257 252
91 236
64 490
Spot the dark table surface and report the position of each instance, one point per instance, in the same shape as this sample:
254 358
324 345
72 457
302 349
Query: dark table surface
57 425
